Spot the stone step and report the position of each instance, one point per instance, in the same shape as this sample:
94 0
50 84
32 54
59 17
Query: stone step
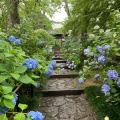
70 107
58 54
57 58
60 65
60 61
66 73
62 86
64 76
61 92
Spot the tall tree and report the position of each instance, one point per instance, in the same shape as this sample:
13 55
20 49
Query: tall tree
14 15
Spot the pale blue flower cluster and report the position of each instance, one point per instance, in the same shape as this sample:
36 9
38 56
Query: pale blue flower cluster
80 73
72 65
50 67
101 59
38 85
53 63
35 115
48 72
3 109
14 101
80 80
13 39
112 74
87 52
18 41
96 56
99 49
105 89
106 48
118 83
30 64
97 76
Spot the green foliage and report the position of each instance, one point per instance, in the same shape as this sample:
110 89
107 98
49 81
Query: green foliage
97 100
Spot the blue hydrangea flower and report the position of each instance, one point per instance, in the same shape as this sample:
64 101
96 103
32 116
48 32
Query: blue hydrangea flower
53 63
80 80
101 59
43 42
3 109
48 72
105 88
38 85
118 83
35 115
97 76
74 66
96 56
96 67
12 38
80 73
112 74
31 64
50 67
18 41
47 49
68 61
86 52
106 48
14 101
99 49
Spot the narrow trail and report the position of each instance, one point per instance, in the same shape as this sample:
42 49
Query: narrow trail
63 97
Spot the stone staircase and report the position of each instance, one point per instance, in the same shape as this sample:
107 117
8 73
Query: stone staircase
63 97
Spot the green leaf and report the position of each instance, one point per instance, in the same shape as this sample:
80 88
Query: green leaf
15 75
22 106
109 81
6 89
3 117
34 83
9 96
35 76
3 67
113 90
19 116
8 103
25 79
20 69
8 55
3 78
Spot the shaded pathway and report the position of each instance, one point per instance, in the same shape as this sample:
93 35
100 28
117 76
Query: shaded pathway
63 97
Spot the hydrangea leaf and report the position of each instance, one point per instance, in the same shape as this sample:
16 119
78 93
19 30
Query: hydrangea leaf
20 69
25 79
3 117
15 76
3 67
19 116
3 78
8 103
6 89
34 83
9 96
8 55
113 90
109 81
22 106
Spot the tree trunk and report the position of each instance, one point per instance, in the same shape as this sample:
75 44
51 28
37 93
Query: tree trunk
67 7
14 13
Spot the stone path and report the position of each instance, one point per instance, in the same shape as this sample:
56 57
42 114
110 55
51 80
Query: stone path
63 98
